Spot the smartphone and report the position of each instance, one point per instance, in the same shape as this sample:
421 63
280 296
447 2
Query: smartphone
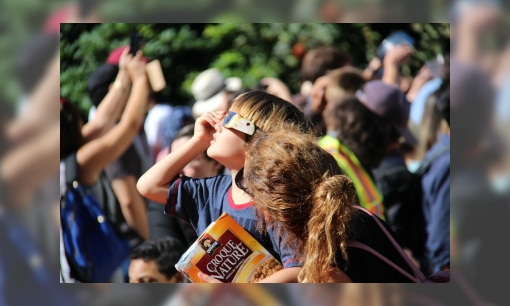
135 42
396 38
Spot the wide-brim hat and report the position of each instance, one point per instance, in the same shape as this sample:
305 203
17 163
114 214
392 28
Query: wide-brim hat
207 89
210 105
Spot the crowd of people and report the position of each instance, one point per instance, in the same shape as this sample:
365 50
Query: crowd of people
291 169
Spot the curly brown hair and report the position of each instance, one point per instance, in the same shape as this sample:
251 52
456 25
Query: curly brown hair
298 187
365 133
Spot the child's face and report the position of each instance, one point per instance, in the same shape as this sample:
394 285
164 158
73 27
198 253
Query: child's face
141 271
227 147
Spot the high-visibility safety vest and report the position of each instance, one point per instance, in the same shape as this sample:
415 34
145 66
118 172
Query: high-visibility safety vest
368 194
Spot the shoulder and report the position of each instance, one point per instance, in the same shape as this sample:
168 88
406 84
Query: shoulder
328 141
437 159
213 184
364 228
363 266
360 224
219 180
440 150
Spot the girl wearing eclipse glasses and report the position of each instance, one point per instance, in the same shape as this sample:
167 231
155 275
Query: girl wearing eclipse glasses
225 135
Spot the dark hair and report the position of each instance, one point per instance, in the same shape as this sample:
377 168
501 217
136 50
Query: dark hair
345 82
443 99
365 133
185 131
70 130
317 62
445 68
99 82
164 251
348 79
260 86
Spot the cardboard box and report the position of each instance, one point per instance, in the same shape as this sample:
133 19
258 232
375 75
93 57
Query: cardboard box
155 75
227 252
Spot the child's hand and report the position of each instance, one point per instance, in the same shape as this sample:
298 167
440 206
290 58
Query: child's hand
208 279
205 126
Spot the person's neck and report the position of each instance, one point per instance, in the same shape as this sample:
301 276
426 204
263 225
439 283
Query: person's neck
333 133
238 195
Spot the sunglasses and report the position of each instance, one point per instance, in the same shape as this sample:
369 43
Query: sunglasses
235 121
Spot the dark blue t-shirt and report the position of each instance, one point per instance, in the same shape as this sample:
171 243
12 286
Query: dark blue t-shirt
202 201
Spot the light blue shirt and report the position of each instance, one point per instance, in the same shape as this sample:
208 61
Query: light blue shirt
418 105
502 107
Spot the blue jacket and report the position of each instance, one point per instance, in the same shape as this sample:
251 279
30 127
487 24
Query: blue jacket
436 204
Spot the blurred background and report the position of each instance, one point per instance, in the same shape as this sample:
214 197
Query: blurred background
30 34
248 51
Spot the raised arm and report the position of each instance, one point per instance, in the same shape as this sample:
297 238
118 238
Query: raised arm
393 61
111 107
96 154
155 182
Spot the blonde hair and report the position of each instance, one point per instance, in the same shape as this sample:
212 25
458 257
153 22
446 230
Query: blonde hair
268 112
298 187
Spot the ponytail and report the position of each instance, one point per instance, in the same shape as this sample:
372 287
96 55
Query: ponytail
333 198
299 189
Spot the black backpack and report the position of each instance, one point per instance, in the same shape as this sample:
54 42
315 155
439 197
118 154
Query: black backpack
412 232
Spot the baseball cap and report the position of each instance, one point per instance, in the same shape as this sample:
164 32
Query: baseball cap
207 88
389 102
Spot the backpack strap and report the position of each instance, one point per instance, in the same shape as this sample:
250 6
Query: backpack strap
110 200
113 211
359 245
419 275
68 175
71 171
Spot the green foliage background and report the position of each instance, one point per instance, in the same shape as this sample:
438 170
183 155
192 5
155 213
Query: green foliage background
249 51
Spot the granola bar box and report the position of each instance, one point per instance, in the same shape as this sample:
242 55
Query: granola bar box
227 252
